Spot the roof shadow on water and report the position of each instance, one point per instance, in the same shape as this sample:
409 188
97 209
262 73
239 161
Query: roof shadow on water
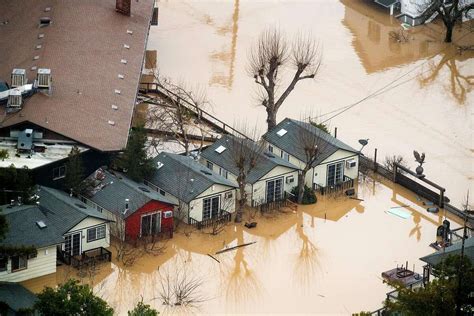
381 44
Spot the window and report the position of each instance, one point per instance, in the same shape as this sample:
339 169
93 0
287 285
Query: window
96 233
3 263
210 165
162 192
98 208
290 179
19 263
285 156
223 173
274 190
270 148
59 172
229 195
32 255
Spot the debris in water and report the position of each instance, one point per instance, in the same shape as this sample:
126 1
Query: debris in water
428 203
356 198
213 257
401 206
400 213
251 225
235 247
433 209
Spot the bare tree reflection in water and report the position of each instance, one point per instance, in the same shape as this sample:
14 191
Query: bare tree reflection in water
240 282
307 260
417 229
459 84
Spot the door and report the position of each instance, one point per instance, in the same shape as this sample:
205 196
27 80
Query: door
274 190
335 173
210 207
72 244
150 224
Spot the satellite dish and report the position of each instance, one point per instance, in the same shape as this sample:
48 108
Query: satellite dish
364 142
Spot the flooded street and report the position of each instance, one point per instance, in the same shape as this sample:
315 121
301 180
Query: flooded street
324 258
416 94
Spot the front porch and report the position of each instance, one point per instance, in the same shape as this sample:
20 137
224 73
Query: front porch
345 184
87 257
221 218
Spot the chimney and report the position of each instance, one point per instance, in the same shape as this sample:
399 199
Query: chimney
123 6
126 206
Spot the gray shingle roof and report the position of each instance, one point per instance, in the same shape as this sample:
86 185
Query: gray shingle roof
455 249
265 164
63 211
183 177
110 193
16 296
290 142
23 229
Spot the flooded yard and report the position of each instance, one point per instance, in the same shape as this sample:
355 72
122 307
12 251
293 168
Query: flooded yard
416 94
324 258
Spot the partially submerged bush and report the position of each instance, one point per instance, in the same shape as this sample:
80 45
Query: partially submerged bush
309 197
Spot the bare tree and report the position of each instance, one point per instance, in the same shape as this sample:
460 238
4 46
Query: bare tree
449 11
267 60
246 155
391 160
178 113
312 141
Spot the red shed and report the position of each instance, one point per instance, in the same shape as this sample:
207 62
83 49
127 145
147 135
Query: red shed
145 212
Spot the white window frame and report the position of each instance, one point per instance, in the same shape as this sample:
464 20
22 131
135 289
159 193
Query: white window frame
103 231
60 174
20 268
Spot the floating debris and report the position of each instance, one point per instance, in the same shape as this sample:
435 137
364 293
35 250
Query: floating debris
400 213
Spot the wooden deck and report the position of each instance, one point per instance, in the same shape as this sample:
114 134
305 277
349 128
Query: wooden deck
87 257
224 217
347 183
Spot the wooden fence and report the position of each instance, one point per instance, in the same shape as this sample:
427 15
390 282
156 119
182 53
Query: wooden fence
221 219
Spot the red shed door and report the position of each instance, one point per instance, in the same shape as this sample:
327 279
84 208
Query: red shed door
150 224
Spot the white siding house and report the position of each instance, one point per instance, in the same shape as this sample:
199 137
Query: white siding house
199 192
335 163
268 181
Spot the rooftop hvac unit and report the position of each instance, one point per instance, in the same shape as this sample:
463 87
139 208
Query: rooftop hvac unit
43 78
14 98
18 77
25 140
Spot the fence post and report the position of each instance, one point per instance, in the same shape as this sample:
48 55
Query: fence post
375 160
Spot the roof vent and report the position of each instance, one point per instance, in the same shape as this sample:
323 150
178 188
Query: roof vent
129 32
38 46
18 77
14 98
47 9
123 61
44 78
126 46
117 91
36 57
282 132
45 21
41 224
159 164
114 107
41 35
111 123
144 189
121 76
220 149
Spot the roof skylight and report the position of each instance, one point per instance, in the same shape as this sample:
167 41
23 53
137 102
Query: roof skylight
220 149
282 132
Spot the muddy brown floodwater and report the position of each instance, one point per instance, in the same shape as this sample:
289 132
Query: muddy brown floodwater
324 258
428 109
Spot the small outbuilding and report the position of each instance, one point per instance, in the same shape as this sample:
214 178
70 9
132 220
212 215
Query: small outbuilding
336 162
267 182
137 210
201 194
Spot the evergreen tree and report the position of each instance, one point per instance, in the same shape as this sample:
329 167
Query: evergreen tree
15 183
134 161
142 310
71 298
74 171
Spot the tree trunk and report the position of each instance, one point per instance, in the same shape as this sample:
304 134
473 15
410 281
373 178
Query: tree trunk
241 204
449 33
301 178
271 118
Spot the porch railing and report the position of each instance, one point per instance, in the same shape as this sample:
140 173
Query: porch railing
284 201
87 257
224 217
345 184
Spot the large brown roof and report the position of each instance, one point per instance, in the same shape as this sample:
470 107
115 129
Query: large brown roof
83 47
